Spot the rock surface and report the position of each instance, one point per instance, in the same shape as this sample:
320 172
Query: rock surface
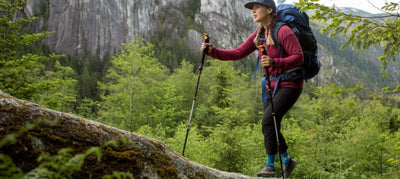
144 157
102 26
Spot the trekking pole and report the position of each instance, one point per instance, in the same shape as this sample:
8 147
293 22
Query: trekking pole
264 52
205 52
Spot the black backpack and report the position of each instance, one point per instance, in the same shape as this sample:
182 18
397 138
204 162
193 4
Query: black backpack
298 21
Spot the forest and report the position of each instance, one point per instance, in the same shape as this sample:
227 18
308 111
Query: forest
332 131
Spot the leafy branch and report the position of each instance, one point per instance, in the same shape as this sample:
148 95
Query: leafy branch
364 31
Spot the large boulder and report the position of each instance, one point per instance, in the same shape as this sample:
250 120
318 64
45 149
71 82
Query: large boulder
142 156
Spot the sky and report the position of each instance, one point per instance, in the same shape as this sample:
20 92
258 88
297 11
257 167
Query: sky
366 5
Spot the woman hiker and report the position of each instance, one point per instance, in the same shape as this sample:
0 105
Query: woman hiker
287 93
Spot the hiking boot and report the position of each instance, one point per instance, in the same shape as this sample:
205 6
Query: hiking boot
267 171
288 168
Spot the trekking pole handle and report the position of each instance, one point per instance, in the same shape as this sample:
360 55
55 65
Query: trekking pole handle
205 51
206 40
262 48
264 52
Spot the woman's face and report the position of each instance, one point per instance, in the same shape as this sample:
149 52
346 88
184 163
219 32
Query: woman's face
261 13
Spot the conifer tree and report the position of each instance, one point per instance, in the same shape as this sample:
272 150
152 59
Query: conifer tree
27 75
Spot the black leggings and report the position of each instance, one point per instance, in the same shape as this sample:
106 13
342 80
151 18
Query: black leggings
283 100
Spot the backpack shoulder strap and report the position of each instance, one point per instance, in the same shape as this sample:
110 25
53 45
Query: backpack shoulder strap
275 35
258 60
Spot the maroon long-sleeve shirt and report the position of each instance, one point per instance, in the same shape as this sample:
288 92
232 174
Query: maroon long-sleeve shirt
292 58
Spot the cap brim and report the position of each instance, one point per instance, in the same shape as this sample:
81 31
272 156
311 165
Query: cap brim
249 5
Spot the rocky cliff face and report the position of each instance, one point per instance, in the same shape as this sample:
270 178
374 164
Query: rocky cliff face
227 21
101 26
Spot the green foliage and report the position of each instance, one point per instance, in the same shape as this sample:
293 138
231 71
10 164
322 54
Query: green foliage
27 75
365 31
222 86
334 132
67 162
225 98
171 52
13 39
118 175
190 9
340 134
229 152
134 78
170 48
86 108
62 165
346 66
61 94
7 167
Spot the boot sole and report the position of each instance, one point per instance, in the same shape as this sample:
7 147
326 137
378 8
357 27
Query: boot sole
266 175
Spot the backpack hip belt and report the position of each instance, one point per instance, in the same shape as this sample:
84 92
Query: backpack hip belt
292 75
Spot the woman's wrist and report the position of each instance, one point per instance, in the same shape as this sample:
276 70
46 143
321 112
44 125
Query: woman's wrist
210 47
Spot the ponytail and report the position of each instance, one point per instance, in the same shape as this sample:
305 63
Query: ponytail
261 30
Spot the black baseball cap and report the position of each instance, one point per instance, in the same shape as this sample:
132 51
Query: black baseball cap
268 3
